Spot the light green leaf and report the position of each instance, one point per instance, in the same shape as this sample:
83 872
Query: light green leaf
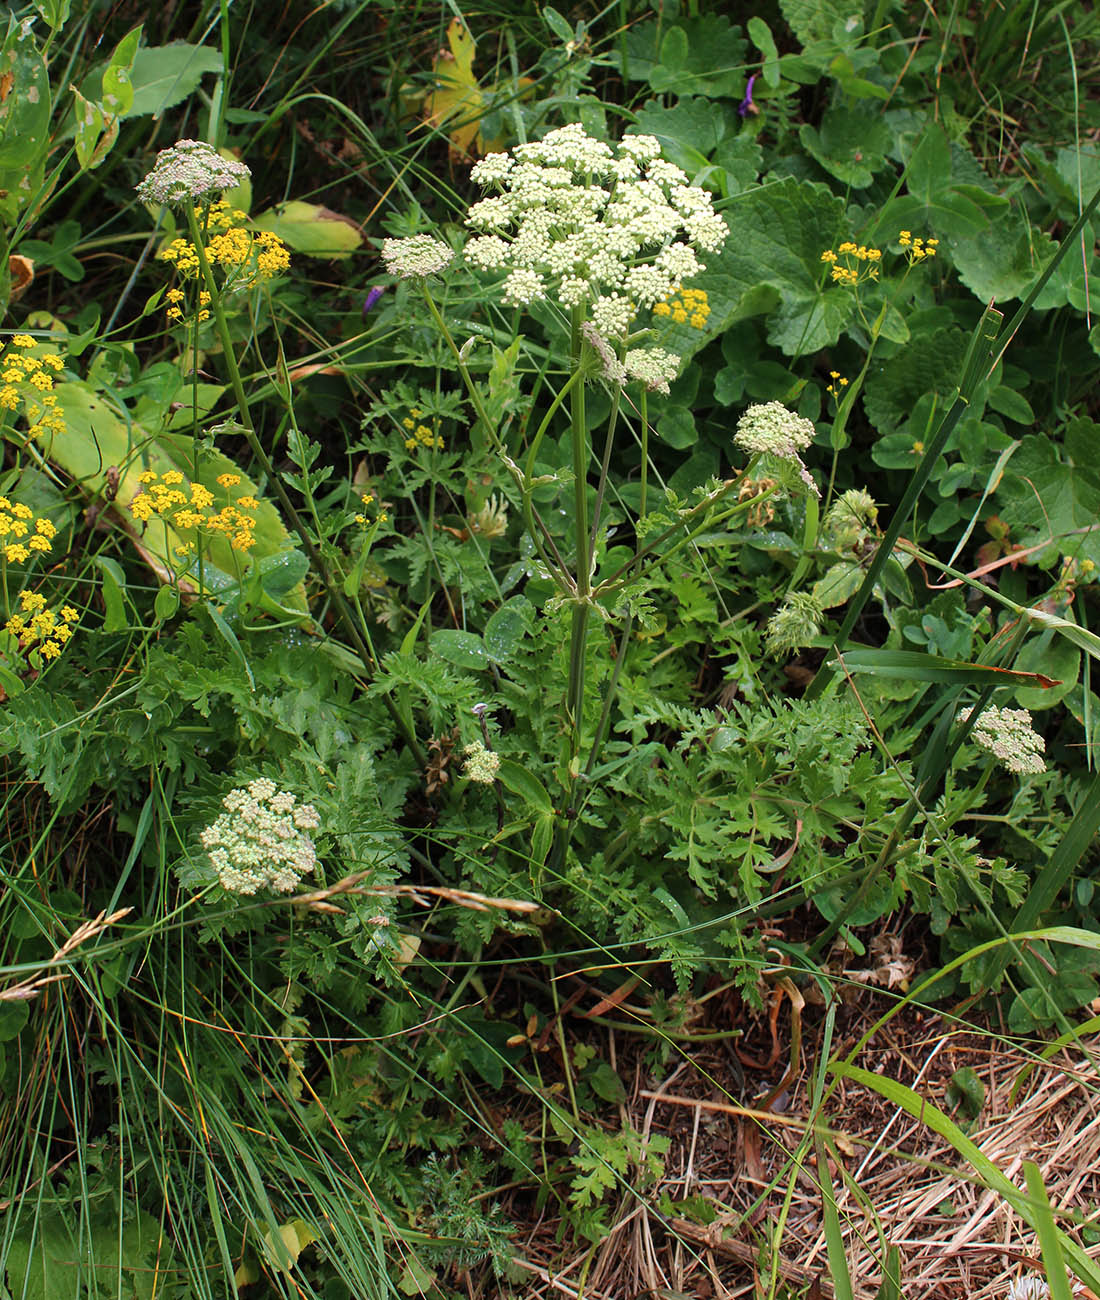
164 75
118 87
311 229
25 109
816 20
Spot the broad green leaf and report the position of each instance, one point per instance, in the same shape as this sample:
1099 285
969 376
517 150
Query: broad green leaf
777 236
838 583
507 627
283 1247
761 36
164 75
929 168
893 387
816 20
311 229
89 130
707 55
24 113
112 586
1054 655
850 144
528 787
463 649
689 131
14 1014
1044 498
54 12
1004 267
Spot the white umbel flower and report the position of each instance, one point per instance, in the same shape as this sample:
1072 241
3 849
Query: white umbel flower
589 219
770 429
655 367
773 430
261 840
419 255
190 170
482 765
1008 735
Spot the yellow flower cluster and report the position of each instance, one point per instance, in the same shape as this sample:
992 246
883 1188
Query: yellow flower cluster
688 307
917 249
368 500
838 383
247 257
175 311
21 534
164 495
850 264
419 434
28 379
40 628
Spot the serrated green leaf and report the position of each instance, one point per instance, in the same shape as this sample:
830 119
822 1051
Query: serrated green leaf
164 75
850 144
777 236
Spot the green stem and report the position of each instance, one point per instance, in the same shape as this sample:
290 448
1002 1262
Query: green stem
335 595
448 338
645 450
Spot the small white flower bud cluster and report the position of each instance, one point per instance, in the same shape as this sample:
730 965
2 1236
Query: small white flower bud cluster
794 624
191 170
1008 735
482 765
770 429
420 255
261 839
653 366
576 217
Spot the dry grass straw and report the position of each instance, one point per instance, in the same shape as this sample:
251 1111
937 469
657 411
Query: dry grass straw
33 985
956 1238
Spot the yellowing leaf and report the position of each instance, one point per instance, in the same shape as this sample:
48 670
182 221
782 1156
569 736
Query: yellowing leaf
457 96
99 442
293 1237
311 229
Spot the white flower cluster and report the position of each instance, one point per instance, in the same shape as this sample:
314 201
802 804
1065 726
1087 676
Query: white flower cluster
619 227
191 170
653 366
420 255
261 839
482 764
770 429
1008 735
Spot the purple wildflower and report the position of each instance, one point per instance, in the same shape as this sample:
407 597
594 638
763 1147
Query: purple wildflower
746 105
372 297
